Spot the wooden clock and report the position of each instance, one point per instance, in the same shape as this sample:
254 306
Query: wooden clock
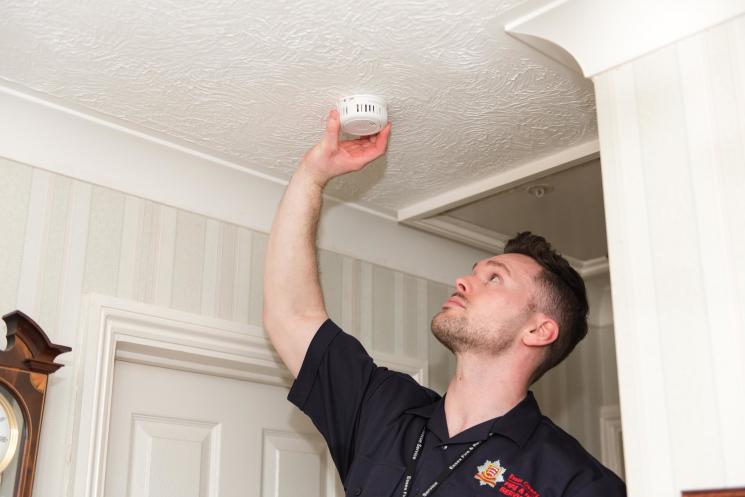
25 365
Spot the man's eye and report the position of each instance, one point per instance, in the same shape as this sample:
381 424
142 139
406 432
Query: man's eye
493 276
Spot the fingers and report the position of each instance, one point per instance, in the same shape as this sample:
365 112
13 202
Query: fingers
365 149
331 136
372 145
381 139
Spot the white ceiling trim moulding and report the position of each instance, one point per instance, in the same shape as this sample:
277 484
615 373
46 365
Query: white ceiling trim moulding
107 152
499 182
493 242
603 35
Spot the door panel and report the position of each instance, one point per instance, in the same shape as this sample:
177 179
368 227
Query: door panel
182 434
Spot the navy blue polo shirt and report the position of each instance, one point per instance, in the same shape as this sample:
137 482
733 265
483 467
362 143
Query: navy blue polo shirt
372 418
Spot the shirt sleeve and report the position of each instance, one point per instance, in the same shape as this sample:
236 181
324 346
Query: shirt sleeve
336 376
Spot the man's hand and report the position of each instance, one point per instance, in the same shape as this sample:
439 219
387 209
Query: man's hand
331 157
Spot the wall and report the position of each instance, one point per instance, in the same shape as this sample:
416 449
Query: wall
672 136
574 393
63 238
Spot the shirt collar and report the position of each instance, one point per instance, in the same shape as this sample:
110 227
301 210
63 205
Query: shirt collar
517 424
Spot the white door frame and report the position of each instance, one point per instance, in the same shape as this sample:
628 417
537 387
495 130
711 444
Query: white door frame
610 439
114 328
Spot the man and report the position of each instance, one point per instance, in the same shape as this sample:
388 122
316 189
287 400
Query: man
514 317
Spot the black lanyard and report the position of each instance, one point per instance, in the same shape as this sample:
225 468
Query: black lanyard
444 474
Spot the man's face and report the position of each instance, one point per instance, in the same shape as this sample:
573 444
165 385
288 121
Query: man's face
490 306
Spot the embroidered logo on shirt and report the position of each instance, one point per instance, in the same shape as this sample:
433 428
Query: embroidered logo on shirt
490 473
517 487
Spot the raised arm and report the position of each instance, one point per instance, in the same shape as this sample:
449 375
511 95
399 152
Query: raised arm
293 302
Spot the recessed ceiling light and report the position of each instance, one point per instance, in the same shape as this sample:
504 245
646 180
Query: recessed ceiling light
539 190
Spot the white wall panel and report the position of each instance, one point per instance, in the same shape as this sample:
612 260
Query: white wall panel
578 393
146 253
242 283
258 256
424 318
672 138
15 193
680 315
164 255
366 304
189 262
133 213
611 439
71 281
330 267
554 397
60 282
383 309
410 310
209 274
350 310
226 271
53 244
105 227
33 243
398 312
574 393
608 371
441 364
635 310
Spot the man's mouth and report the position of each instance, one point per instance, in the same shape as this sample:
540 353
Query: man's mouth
454 301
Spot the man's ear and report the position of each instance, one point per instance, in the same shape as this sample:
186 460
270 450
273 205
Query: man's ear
544 333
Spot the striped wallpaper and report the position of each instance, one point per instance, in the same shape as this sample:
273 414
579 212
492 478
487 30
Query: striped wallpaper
64 238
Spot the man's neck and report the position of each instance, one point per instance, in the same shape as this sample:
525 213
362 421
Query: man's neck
481 389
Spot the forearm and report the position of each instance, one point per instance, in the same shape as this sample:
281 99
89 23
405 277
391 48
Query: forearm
293 302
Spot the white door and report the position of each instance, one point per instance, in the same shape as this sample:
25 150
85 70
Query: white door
181 434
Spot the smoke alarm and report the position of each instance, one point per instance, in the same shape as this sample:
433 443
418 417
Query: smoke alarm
362 115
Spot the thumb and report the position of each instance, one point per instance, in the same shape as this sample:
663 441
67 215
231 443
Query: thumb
331 136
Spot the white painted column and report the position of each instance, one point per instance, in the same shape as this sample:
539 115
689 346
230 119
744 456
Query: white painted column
671 118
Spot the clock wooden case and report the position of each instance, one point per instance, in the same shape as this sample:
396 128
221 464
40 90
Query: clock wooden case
25 366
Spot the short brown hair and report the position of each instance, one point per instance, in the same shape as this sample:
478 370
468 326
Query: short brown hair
562 296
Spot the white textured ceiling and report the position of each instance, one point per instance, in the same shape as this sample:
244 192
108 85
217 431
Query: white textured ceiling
252 80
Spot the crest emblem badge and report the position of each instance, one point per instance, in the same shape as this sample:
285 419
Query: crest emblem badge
490 473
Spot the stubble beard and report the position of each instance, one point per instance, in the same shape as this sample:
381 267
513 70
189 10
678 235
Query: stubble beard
459 336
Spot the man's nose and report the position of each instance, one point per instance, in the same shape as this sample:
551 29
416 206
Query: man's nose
463 284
